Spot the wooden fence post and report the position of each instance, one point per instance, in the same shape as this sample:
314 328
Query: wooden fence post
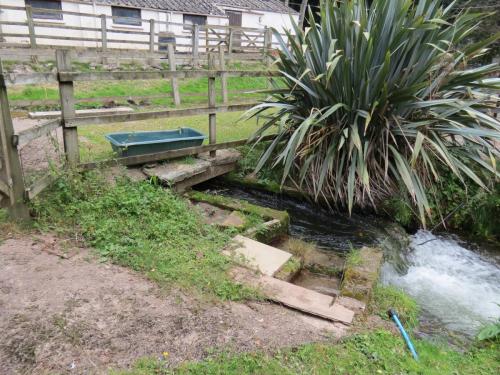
212 128
67 97
151 40
268 43
230 45
11 174
104 37
31 30
196 45
172 67
222 66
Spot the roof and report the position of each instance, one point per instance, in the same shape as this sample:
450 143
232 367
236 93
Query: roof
269 5
209 7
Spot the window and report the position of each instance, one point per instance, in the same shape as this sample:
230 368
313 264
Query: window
126 16
46 4
191 19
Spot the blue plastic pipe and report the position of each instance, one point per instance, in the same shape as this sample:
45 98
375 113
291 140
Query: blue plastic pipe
394 316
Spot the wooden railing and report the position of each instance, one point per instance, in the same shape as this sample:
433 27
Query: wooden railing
193 41
11 177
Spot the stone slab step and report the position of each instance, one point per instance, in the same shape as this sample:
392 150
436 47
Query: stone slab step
80 113
296 297
258 256
176 171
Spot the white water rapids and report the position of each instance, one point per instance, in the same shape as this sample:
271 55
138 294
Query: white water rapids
454 285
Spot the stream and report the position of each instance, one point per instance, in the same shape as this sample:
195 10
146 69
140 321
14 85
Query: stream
455 283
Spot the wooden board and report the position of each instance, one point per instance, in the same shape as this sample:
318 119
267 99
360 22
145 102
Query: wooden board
81 113
295 296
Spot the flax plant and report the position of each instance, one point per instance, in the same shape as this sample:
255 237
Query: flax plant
379 96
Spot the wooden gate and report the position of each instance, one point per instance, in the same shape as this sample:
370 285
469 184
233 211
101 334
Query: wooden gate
11 176
235 20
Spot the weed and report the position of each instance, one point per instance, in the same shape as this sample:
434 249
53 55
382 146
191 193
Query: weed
389 297
141 226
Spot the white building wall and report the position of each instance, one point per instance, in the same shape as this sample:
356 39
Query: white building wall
184 41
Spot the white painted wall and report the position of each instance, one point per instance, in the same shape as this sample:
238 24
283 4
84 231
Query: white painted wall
249 19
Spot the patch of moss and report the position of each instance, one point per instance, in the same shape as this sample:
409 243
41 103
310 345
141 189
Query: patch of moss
329 271
264 232
239 205
288 271
361 273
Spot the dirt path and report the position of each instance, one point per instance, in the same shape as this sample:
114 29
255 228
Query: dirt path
79 316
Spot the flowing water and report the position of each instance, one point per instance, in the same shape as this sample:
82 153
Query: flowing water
456 284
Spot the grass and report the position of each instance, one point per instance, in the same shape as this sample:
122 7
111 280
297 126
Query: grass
389 297
375 352
378 352
144 227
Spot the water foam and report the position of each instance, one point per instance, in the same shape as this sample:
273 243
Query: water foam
451 283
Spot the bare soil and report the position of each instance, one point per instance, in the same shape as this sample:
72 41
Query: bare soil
61 311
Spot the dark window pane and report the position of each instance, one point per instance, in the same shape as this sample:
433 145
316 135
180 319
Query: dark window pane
126 16
191 19
46 4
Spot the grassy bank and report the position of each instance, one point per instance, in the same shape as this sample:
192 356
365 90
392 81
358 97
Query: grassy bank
378 352
144 227
366 353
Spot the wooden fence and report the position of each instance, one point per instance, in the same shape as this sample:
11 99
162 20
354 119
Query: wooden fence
13 191
194 42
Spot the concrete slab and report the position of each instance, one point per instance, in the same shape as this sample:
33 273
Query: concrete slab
260 257
177 171
295 296
225 156
80 112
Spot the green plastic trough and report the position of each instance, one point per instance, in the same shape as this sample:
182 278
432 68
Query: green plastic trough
140 143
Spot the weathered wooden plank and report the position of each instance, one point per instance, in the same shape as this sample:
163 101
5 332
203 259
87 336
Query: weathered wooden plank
196 45
222 67
40 185
169 113
172 67
31 26
212 117
13 79
296 297
11 161
27 135
67 97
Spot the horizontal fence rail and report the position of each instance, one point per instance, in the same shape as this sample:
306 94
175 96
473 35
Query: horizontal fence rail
152 36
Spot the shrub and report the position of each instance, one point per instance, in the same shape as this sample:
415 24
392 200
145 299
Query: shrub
377 97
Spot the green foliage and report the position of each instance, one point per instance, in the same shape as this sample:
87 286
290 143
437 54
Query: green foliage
489 26
141 226
365 354
469 209
464 207
490 332
389 297
378 95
